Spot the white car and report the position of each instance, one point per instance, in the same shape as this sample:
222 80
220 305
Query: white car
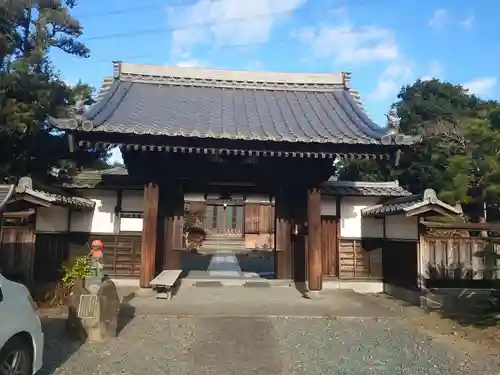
21 336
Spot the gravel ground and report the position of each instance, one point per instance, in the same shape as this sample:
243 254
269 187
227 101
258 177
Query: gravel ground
155 344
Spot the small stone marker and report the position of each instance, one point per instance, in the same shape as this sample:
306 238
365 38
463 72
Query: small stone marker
93 310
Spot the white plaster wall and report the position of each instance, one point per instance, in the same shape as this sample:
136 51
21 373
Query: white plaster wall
328 206
372 227
102 219
130 224
350 215
133 200
52 219
400 227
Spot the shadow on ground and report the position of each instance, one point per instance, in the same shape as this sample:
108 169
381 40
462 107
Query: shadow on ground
58 347
194 261
483 317
257 261
467 306
126 314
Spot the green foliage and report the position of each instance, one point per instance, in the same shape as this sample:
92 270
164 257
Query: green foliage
77 268
31 89
458 156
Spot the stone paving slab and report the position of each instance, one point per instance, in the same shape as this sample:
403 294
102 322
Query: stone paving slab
260 301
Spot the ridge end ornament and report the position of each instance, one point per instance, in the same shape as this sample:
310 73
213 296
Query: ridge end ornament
393 121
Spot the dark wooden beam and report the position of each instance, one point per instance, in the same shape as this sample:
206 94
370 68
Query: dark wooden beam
174 226
283 262
148 242
298 207
191 145
314 256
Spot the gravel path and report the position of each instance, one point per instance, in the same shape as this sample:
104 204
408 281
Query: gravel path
152 344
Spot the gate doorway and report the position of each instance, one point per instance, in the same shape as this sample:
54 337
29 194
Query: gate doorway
238 240
224 220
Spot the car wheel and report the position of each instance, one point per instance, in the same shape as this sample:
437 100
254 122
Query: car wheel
16 357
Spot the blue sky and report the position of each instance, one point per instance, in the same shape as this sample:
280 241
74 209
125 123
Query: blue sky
384 43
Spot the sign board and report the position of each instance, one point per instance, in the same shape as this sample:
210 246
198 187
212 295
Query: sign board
88 306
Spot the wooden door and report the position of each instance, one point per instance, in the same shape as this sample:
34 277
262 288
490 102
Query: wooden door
329 245
224 220
17 251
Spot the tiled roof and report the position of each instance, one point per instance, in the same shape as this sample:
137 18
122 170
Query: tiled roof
412 205
25 190
225 104
55 199
360 188
89 179
6 192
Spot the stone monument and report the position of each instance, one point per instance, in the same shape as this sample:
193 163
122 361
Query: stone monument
94 305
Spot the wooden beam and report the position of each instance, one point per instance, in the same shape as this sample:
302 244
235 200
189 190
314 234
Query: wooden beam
298 206
148 242
315 264
174 227
283 264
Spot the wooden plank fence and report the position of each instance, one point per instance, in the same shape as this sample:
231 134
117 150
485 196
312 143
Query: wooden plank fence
466 258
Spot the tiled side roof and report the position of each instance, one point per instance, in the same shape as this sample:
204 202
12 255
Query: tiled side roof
208 103
55 199
408 205
89 179
6 192
360 188
26 190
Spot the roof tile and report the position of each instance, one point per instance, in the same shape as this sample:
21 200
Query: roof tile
361 188
203 103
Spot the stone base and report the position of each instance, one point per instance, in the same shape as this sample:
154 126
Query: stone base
93 310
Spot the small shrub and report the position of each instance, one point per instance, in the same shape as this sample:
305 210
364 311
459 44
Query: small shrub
75 269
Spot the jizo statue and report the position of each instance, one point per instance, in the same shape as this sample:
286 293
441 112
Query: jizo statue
96 255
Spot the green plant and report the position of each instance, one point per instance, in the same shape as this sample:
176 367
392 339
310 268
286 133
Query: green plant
75 269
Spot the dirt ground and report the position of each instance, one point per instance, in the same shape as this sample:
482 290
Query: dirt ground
474 336
471 336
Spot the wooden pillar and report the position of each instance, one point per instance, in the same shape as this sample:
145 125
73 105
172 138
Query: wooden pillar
174 227
149 227
314 256
283 241
298 205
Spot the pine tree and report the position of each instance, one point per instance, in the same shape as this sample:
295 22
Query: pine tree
31 89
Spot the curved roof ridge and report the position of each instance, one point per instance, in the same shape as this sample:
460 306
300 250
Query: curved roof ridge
387 184
143 72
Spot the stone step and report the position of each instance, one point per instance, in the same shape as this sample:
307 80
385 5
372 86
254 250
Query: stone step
224 239
224 248
208 239
225 244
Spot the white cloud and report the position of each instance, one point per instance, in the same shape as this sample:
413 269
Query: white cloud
392 79
468 22
226 22
193 63
442 17
434 70
349 45
439 18
481 86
